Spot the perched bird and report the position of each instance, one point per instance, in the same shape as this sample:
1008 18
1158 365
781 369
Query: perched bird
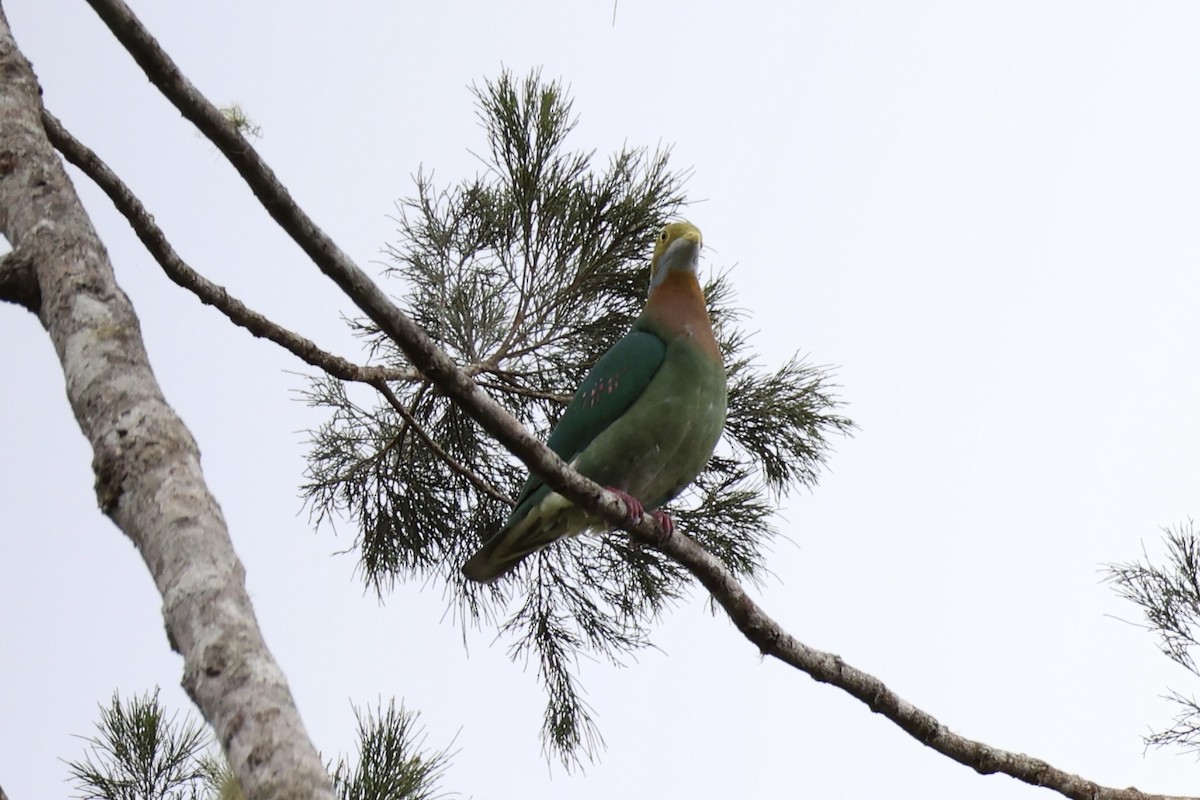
644 421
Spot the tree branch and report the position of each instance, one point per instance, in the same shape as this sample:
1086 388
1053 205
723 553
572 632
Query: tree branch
147 465
424 354
514 388
177 270
760 629
476 480
209 293
771 639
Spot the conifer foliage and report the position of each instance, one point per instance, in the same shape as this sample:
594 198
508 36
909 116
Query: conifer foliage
1167 590
526 274
140 752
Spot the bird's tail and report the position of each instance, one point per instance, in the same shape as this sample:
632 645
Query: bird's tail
549 520
488 563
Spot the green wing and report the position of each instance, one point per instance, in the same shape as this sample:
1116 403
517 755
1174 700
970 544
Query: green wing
615 382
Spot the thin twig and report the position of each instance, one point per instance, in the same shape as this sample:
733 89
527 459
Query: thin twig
515 388
760 629
476 480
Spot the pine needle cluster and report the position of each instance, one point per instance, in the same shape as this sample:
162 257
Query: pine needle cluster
140 752
1169 596
526 274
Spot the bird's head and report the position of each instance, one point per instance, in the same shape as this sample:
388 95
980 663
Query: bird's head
677 250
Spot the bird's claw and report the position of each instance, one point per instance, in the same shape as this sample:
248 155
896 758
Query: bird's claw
664 521
635 509
633 506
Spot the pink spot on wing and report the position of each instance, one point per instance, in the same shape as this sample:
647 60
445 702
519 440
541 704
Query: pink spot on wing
604 386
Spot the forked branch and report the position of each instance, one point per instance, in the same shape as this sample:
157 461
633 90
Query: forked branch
177 269
156 242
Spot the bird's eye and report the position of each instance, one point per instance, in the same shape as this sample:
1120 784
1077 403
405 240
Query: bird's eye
662 237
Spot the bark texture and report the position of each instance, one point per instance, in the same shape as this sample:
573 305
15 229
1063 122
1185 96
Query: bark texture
147 465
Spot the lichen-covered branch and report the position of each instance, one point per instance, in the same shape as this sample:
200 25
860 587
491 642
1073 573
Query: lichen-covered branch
760 629
147 466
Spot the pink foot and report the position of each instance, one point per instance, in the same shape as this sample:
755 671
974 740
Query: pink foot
633 506
664 519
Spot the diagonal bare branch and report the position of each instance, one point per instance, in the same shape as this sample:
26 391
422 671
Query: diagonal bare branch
772 640
177 269
750 619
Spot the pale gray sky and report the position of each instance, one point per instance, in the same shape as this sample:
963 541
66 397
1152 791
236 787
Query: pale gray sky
985 213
